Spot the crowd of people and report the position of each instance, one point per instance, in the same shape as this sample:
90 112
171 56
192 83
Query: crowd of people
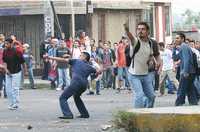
137 64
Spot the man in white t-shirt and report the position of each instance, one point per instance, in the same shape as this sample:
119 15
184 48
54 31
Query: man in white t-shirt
139 75
167 67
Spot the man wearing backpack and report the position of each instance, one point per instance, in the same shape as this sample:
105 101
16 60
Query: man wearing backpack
187 73
143 52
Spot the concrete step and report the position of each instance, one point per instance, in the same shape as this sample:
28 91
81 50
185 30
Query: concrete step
165 119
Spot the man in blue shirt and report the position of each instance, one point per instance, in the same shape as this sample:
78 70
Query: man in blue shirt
187 73
81 69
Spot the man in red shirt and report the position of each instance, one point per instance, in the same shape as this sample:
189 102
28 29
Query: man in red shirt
121 63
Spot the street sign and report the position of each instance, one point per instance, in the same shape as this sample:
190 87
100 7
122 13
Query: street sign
90 9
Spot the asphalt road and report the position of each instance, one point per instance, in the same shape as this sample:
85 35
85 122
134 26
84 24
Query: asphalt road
39 110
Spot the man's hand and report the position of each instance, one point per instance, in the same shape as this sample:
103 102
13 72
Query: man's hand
126 27
185 75
7 71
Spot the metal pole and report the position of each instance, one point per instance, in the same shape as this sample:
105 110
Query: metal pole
73 20
56 18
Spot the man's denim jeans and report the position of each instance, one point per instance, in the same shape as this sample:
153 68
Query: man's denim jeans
13 82
31 77
63 77
143 90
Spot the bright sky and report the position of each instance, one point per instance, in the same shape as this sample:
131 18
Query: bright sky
179 5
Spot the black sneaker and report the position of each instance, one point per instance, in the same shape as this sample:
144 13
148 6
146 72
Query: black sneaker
98 94
83 116
90 93
171 92
65 117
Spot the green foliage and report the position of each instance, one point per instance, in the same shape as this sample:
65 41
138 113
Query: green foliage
190 19
148 122
126 120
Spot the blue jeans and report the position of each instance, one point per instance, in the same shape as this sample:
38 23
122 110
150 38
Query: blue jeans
76 88
107 78
63 77
13 83
144 92
2 80
170 85
97 86
31 77
186 88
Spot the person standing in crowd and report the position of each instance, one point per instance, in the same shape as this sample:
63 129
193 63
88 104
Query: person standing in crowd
197 45
69 43
187 73
78 84
44 47
52 75
63 68
82 38
139 75
2 70
13 59
175 51
167 69
17 43
107 62
76 50
28 57
121 63
92 42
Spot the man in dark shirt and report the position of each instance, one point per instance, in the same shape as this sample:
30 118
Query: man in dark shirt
63 68
13 59
187 73
81 69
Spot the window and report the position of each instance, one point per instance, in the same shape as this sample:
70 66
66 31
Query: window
148 17
167 21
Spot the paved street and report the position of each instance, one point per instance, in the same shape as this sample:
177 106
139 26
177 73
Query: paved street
40 109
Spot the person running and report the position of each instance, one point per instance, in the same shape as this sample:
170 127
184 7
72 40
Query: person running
77 85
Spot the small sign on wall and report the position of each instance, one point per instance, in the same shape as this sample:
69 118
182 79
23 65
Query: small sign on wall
9 12
90 9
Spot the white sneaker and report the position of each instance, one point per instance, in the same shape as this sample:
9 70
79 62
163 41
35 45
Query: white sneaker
58 89
13 107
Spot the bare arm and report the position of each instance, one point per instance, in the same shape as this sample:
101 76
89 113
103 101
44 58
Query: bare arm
129 34
59 59
5 67
66 55
159 64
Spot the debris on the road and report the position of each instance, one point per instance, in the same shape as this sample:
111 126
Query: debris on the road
29 127
106 127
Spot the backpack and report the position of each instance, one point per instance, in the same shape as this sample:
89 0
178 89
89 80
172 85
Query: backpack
152 43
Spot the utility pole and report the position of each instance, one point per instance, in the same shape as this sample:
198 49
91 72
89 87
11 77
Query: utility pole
56 19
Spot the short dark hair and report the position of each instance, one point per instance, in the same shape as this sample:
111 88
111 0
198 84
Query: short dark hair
182 35
161 44
93 40
9 40
145 24
87 56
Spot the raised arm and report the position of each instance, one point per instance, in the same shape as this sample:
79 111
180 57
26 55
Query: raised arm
129 34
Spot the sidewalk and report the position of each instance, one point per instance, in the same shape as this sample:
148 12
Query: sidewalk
39 83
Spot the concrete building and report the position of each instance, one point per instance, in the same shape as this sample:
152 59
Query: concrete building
108 18
33 20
